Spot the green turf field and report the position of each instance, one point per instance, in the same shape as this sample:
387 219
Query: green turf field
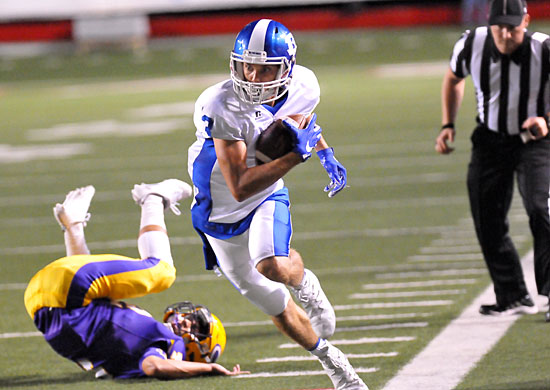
113 120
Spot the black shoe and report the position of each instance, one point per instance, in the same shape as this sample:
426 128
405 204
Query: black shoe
547 316
524 305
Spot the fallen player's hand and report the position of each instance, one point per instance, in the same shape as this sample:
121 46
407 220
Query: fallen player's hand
218 369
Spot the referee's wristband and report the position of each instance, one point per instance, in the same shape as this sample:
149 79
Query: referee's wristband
449 125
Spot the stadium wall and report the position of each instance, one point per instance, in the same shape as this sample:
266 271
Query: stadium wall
296 18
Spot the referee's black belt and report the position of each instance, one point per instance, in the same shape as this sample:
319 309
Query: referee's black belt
497 136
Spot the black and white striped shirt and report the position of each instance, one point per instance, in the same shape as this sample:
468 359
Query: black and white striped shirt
509 89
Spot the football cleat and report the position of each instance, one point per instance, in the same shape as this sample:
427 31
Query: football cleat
74 208
524 305
339 369
170 190
316 304
263 42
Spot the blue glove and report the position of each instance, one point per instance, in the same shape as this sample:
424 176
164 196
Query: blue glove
306 139
336 171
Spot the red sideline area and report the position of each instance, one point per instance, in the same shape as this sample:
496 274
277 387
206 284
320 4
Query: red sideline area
305 20
36 31
298 19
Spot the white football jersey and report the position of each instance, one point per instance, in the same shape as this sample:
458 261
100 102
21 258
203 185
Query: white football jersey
219 113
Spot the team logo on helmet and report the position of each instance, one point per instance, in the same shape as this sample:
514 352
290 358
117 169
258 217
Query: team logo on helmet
289 39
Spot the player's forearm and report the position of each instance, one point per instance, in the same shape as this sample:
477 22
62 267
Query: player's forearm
256 179
452 93
243 181
322 144
174 369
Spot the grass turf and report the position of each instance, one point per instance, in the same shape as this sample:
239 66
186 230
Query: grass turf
382 128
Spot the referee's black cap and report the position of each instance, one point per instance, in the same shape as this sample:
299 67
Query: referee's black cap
508 12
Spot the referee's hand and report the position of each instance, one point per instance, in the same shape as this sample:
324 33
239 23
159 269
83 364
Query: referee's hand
537 127
441 146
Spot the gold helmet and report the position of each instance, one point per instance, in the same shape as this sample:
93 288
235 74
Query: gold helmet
202 332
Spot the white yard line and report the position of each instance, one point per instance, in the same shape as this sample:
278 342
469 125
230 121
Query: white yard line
446 241
382 327
19 154
392 316
449 249
360 370
407 294
314 358
416 69
456 350
301 208
428 274
106 128
435 201
211 276
454 241
370 317
399 180
195 240
363 340
447 257
297 208
13 335
386 305
460 231
17 335
138 86
424 283
368 154
13 286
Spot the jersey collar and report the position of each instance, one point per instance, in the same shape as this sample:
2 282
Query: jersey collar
278 104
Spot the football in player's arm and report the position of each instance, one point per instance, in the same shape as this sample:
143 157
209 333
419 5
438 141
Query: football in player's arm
241 209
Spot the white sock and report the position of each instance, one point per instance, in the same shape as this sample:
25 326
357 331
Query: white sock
154 243
152 212
75 241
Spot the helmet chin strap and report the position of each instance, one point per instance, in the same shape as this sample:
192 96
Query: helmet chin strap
194 339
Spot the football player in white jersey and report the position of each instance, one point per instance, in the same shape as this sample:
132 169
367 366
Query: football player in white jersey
241 210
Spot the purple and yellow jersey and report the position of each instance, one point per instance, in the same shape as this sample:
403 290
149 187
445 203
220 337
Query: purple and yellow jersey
74 281
71 303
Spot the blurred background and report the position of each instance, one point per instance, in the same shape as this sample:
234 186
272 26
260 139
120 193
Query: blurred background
73 28
102 92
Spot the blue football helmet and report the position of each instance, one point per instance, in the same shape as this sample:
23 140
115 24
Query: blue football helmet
263 42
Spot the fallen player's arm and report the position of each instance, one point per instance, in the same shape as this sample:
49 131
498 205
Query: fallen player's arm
157 367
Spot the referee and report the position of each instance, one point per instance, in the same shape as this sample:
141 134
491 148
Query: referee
510 72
